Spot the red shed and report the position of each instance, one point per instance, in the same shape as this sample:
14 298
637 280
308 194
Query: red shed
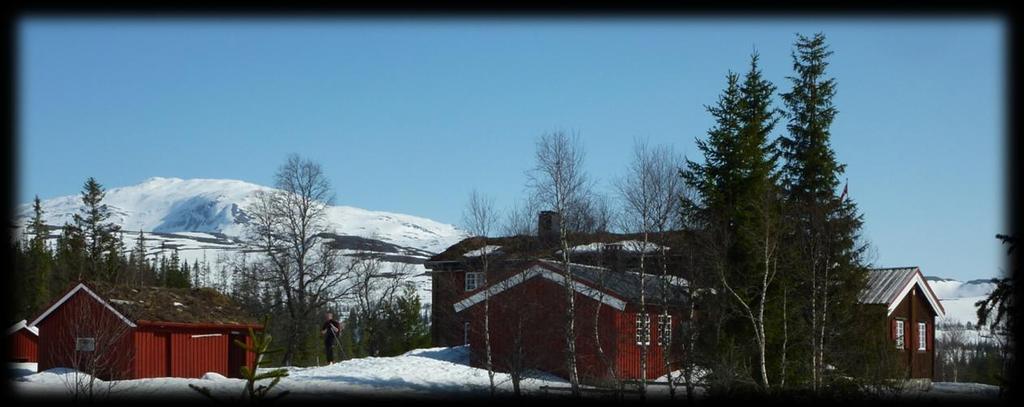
910 308
122 332
23 342
527 319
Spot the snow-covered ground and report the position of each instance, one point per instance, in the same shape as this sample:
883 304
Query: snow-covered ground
948 391
421 373
433 373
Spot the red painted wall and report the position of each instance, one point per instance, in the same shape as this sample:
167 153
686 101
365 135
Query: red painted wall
23 346
628 357
145 351
913 309
83 316
538 307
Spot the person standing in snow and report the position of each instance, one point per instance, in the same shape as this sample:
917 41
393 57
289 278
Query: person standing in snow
330 330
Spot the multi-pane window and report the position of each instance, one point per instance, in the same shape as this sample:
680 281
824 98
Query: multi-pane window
899 334
664 329
643 329
474 280
922 336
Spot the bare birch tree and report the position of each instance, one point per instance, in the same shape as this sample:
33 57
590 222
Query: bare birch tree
288 225
559 181
373 289
650 192
479 219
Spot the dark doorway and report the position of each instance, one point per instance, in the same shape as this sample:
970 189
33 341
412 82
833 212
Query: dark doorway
236 355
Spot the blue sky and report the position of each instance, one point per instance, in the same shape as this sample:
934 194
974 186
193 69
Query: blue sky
409 115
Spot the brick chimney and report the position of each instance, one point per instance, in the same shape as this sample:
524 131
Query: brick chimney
548 225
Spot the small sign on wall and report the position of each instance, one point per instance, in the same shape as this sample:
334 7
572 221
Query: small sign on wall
85 344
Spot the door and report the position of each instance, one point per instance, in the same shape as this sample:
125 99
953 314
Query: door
158 356
236 355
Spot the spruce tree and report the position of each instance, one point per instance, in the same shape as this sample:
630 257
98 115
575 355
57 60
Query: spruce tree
70 258
825 254
140 267
736 207
98 232
40 259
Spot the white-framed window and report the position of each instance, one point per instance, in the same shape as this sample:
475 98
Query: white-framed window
664 329
899 334
85 344
474 280
643 329
922 336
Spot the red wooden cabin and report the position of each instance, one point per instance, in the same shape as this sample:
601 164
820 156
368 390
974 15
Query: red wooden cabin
23 343
527 320
140 332
910 309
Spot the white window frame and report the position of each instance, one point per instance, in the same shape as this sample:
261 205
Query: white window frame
643 329
85 344
922 336
477 279
664 329
900 333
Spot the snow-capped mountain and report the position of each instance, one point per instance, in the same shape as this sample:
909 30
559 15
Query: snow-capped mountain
217 207
958 297
204 220
948 288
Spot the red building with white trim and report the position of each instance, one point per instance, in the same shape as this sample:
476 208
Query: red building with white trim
22 342
527 319
139 332
910 308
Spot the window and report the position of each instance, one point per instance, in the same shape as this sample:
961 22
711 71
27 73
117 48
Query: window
474 280
922 336
85 344
643 329
899 334
664 329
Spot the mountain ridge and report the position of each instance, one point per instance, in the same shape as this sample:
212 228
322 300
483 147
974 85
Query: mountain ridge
217 207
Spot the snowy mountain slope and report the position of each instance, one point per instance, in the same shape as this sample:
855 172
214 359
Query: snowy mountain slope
204 221
217 206
958 297
950 288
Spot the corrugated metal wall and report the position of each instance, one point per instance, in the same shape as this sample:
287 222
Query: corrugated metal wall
193 355
23 347
144 352
152 354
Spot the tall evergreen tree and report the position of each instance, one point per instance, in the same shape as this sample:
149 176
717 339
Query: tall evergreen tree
99 234
825 255
737 208
69 259
39 258
140 267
